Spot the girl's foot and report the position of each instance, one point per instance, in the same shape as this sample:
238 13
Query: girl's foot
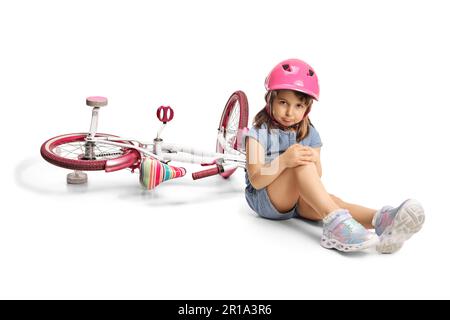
342 232
395 225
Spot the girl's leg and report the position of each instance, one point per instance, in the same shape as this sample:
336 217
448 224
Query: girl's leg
302 181
340 231
361 214
283 191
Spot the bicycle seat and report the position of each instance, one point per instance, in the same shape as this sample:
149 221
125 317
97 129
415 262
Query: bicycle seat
96 101
153 172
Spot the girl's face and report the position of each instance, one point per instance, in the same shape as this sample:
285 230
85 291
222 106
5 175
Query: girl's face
287 108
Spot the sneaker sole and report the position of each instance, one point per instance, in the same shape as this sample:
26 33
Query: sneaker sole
409 220
335 244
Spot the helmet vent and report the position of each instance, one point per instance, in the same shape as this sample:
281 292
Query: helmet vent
287 67
310 73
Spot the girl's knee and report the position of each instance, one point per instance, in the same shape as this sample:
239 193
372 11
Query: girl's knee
306 167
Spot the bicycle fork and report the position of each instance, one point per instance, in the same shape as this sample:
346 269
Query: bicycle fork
94 123
89 146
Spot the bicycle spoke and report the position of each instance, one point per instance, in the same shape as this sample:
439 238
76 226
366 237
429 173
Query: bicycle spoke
73 150
73 147
65 147
234 113
232 126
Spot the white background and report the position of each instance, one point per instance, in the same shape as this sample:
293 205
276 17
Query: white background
383 68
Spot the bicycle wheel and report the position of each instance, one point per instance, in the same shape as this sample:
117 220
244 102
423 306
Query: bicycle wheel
69 151
234 118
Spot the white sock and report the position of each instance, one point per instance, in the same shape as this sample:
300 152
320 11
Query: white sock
329 217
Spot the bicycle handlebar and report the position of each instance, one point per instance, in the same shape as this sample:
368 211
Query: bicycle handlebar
207 173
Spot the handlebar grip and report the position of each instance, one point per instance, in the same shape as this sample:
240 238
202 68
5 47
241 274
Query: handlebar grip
206 173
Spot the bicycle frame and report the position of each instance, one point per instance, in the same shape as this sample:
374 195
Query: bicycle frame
173 152
168 151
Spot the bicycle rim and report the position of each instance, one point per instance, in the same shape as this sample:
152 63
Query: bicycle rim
234 118
69 151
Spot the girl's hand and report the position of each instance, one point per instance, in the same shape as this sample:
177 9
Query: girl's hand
298 155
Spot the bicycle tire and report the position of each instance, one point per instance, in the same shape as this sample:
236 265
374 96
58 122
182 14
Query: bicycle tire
124 158
227 120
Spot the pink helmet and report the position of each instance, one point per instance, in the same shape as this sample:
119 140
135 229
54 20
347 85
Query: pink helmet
293 74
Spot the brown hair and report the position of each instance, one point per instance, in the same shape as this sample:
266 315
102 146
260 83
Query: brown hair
301 128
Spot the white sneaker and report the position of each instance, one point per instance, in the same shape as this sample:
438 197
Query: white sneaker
396 225
342 232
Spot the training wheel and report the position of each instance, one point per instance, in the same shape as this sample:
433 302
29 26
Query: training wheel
77 177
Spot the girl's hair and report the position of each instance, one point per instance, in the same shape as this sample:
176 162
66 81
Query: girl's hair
301 128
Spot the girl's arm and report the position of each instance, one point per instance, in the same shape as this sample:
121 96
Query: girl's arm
259 173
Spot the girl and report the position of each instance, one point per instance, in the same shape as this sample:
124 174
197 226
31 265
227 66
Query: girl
284 170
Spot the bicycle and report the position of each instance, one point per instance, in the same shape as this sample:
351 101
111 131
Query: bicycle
92 151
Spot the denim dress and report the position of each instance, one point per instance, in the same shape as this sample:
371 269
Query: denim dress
274 142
